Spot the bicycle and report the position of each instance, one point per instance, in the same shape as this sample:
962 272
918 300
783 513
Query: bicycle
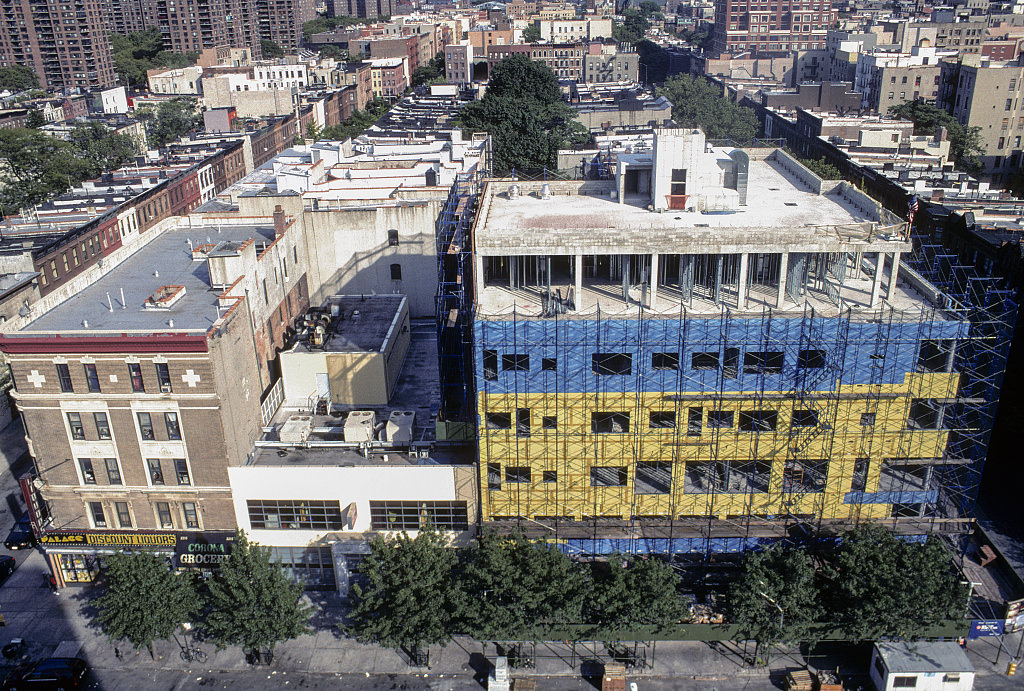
193 654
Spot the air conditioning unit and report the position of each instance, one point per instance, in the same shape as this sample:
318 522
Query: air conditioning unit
296 429
359 426
165 388
399 428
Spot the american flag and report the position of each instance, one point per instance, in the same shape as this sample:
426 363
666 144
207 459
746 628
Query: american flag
911 210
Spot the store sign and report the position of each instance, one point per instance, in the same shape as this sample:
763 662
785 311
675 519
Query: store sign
191 550
986 627
203 550
71 538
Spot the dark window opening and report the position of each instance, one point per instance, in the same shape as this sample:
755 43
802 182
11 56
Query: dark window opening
549 422
517 474
124 516
490 365
925 414
515 362
608 476
547 364
523 422
767 362
720 419
867 419
396 272
499 420
99 519
392 238
694 422
92 379
64 377
704 361
935 355
804 476
135 374
805 418
609 423
663 419
493 476
549 476
163 376
860 475
612 363
665 361
811 359
654 477
731 363
113 472
759 420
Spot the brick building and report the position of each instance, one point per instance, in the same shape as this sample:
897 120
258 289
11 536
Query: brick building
755 27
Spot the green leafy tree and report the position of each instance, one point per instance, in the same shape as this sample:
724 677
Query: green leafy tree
410 596
35 167
775 598
329 51
429 72
883 586
695 103
17 78
137 52
515 588
525 115
641 591
822 168
252 602
965 144
102 149
270 49
173 119
633 28
358 122
314 132
35 119
143 600
531 34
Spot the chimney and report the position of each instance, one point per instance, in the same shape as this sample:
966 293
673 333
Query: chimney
279 222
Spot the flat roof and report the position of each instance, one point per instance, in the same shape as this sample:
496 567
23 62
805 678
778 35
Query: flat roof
779 212
924 656
166 260
362 325
351 457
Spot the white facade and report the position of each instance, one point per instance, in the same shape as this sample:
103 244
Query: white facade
573 30
922 666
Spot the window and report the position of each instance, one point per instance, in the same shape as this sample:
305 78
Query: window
490 365
156 473
392 238
804 475
498 420
523 422
904 682
720 419
860 475
92 379
163 377
608 476
731 363
171 423
88 476
609 423
135 374
759 420
1009 104
146 426
867 419
517 474
124 516
515 362
811 359
952 677
935 355
287 514
665 361
64 377
163 514
547 364
396 272
694 422
925 414
75 423
654 477
704 361
663 419
549 422
611 363
413 515
549 476
188 511
805 418
768 362
99 520
102 425
113 472
493 476
181 471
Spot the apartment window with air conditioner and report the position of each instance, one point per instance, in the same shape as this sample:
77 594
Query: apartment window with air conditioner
163 377
163 514
146 426
88 475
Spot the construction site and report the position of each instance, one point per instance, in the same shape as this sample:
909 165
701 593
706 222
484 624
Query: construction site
710 350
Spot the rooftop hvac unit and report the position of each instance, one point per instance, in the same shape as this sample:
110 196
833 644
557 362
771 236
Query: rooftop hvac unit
296 429
399 429
359 426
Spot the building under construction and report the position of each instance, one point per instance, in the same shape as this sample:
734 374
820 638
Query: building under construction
713 350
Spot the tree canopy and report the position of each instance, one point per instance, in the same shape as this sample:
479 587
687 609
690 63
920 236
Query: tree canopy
357 123
271 50
171 120
143 50
252 603
429 72
104 150
531 34
525 115
695 103
142 600
17 78
36 167
640 591
965 144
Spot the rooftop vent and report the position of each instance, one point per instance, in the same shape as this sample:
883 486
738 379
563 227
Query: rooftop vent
545 191
164 297
359 426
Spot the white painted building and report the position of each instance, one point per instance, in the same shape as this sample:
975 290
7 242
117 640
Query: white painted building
922 665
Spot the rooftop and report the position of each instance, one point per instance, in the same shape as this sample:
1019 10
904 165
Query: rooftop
924 656
165 261
359 323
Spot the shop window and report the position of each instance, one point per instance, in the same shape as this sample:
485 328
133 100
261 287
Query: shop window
498 420
99 519
92 379
759 420
517 474
611 363
515 362
766 362
135 375
113 472
88 475
490 365
608 476
653 477
75 424
665 361
663 419
609 423
146 426
102 425
64 377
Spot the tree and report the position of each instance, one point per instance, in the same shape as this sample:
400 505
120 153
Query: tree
525 115
252 603
822 168
531 34
516 588
640 591
35 119
358 122
17 78
965 144
143 600
314 132
137 52
270 49
173 119
695 103
329 51
633 28
35 167
411 596
775 598
102 149
883 586
429 72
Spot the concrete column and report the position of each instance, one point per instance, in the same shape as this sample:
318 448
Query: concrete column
741 295
893 275
579 281
654 281
783 277
478 273
876 284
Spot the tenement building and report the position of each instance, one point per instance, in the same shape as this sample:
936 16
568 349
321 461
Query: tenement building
708 351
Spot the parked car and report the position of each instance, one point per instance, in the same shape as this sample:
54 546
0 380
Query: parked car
7 565
21 536
64 673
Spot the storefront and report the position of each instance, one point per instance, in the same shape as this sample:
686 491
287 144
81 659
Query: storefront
76 556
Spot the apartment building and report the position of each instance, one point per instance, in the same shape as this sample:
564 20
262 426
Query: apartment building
642 387
458 62
573 30
65 44
281 21
566 60
888 79
745 26
604 64
389 77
